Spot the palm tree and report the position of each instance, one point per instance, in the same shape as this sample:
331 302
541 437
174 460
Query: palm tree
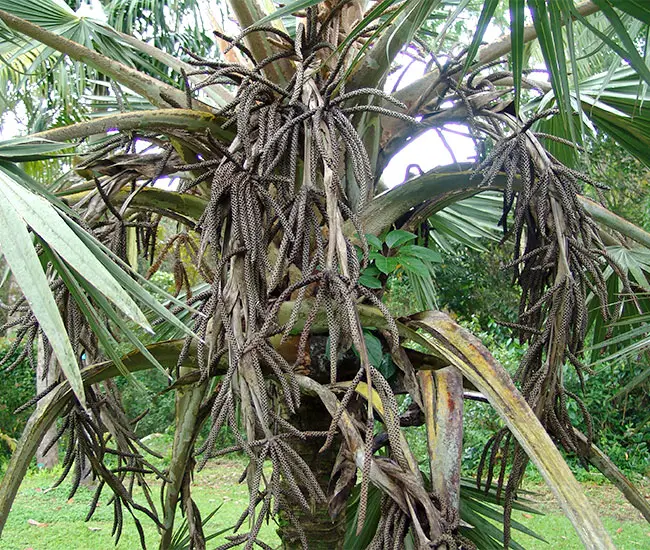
277 143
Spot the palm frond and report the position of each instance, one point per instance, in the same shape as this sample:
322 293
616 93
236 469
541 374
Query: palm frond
469 222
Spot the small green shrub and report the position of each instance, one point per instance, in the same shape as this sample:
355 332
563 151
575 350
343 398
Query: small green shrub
621 426
16 387
160 405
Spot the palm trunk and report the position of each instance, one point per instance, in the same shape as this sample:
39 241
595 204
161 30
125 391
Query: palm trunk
320 530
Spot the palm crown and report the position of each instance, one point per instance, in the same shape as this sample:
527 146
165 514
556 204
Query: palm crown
278 136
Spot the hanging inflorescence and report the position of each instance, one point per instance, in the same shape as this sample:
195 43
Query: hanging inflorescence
558 263
274 228
117 461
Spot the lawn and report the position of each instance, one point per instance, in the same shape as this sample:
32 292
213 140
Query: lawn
44 519
627 527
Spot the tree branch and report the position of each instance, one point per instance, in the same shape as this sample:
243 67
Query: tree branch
157 92
393 138
440 183
182 207
615 222
441 187
375 64
412 93
248 13
217 92
162 120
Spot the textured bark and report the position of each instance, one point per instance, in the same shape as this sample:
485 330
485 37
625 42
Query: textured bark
321 530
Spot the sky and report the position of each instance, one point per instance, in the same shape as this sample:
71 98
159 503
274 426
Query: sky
427 150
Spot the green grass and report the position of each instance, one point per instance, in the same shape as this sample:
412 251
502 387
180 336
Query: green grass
628 529
43 519
58 523
559 533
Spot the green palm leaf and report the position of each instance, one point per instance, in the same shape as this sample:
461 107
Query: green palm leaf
49 224
517 16
25 265
468 222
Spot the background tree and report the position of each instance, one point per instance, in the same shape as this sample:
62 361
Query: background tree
278 150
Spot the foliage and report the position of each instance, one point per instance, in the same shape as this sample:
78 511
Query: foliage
276 141
54 91
152 394
148 395
622 425
478 296
627 177
399 296
475 286
16 387
399 256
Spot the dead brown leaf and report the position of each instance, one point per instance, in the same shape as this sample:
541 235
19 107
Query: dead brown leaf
36 523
